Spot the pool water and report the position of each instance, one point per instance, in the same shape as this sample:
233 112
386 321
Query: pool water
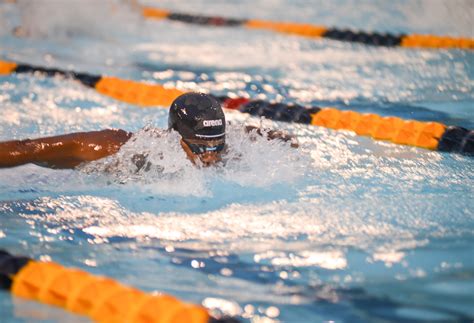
343 229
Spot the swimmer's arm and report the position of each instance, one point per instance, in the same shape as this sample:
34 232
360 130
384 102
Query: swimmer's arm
64 151
274 134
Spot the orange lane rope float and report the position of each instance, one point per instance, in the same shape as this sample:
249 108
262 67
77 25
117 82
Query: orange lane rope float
429 135
99 298
315 31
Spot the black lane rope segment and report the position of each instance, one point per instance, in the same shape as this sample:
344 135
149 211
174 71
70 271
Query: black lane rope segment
86 79
206 20
457 139
373 39
9 266
279 111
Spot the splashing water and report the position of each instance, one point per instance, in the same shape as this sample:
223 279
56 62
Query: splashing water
154 159
344 228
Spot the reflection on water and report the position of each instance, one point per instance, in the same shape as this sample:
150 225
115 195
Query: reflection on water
343 228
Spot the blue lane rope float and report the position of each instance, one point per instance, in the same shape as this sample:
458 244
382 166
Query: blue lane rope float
428 135
316 31
99 298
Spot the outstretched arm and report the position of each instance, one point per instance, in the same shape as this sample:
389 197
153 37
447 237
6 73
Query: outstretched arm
64 151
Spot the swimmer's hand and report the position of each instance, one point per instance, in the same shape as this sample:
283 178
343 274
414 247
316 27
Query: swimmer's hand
274 134
64 151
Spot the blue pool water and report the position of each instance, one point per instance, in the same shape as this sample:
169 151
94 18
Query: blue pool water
343 229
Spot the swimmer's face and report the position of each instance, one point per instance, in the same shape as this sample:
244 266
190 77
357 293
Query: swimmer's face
206 152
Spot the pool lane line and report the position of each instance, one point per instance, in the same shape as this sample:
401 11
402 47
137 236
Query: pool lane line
138 93
100 298
317 31
428 135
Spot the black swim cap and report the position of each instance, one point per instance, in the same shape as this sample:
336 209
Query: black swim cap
197 116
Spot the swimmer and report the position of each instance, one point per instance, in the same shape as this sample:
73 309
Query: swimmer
197 117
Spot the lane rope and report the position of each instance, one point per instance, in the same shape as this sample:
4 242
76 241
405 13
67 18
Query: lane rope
428 135
100 298
315 31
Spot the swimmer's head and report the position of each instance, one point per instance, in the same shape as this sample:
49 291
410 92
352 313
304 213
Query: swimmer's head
200 121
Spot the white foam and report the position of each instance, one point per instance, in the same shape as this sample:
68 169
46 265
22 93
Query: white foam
165 168
251 161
